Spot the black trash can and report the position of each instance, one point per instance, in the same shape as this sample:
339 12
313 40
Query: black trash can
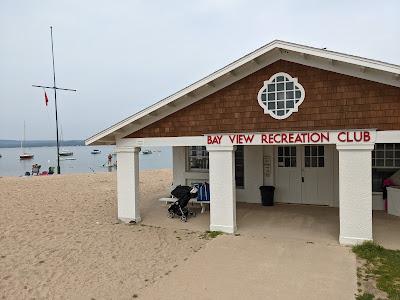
267 195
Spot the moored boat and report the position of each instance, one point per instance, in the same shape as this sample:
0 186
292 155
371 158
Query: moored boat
147 151
95 151
66 153
24 155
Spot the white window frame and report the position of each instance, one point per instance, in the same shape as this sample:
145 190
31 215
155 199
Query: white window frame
287 156
188 156
385 151
317 157
264 93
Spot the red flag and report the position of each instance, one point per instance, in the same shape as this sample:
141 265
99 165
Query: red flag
46 100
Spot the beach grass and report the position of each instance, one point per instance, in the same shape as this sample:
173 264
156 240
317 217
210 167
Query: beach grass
380 265
210 234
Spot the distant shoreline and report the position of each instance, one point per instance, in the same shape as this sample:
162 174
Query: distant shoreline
39 143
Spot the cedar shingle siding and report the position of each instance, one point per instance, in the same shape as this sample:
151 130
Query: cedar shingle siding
333 101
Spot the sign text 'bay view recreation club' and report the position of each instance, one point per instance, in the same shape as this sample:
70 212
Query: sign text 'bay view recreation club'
312 137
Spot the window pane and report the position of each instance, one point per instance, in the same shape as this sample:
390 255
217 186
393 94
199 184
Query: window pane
280 112
271 105
287 151
380 154
307 162
271 96
280 78
281 96
289 104
271 87
389 146
239 166
397 154
287 162
280 151
307 150
379 162
293 151
389 154
314 162
321 162
280 104
293 162
321 150
397 162
290 95
263 97
197 158
289 85
280 86
389 163
314 151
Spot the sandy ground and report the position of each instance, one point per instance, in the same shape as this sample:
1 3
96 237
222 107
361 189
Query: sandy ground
59 239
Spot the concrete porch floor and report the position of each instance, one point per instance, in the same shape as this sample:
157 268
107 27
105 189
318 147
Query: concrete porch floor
303 222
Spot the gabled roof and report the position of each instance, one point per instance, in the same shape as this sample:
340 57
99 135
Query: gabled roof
356 66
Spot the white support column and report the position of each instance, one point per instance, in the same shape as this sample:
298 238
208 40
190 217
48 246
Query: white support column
128 184
355 193
222 188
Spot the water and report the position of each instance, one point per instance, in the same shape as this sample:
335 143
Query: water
11 165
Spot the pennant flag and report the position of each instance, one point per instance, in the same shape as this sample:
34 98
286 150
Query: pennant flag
46 100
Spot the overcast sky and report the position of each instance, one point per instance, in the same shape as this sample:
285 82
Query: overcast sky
122 56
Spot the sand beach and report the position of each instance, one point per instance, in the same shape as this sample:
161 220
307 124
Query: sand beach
59 239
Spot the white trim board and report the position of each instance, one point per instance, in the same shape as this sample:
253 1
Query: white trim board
391 136
327 60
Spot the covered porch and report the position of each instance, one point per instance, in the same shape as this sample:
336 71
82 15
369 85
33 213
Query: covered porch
351 223
311 223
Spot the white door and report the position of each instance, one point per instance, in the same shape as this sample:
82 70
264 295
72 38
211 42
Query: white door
317 174
304 174
288 174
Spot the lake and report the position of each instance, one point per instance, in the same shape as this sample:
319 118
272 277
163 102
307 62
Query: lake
85 162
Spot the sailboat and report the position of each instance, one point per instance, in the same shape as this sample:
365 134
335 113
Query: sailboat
64 152
24 155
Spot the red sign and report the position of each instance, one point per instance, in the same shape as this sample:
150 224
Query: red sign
317 137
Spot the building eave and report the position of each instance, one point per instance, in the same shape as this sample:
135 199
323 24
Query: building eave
389 73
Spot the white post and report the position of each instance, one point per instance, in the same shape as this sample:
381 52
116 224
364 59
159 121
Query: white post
222 188
128 184
355 193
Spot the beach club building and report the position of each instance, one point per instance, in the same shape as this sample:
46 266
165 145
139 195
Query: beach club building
322 127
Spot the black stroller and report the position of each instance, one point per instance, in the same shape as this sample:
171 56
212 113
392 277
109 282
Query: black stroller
179 207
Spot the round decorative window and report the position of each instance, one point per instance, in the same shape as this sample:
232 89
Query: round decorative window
281 96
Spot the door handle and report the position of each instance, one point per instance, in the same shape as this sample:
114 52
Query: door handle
302 179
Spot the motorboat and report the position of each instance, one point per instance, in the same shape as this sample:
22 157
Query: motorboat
26 156
66 153
95 151
147 151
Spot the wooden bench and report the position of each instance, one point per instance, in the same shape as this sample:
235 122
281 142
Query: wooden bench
192 200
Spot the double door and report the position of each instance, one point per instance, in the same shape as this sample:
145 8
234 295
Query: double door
304 174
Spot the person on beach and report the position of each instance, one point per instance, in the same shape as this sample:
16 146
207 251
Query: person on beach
109 159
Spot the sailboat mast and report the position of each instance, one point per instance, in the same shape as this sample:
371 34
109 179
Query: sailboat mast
55 101
23 139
